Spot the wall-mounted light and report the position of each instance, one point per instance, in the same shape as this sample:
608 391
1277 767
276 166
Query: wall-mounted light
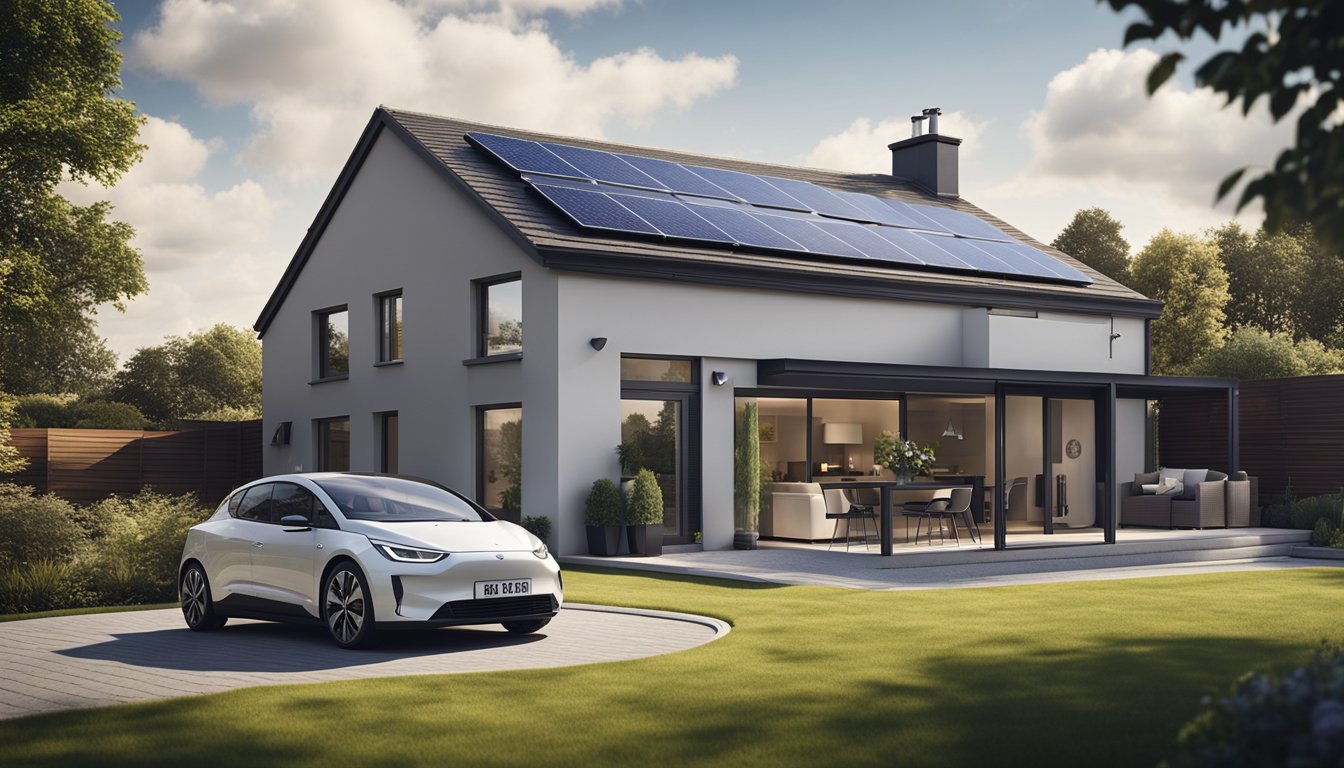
281 436
719 378
598 342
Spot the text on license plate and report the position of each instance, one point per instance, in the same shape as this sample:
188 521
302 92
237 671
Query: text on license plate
503 588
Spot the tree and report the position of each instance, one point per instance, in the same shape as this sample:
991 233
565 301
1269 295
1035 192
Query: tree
59 67
1318 309
218 371
1093 237
1264 275
1293 59
1184 272
1251 353
10 460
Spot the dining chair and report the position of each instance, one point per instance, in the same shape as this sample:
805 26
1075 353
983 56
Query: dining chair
959 505
926 511
840 507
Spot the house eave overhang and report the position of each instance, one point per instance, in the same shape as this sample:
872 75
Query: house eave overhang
777 278
892 377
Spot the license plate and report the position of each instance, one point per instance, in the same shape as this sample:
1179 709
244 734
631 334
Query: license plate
503 588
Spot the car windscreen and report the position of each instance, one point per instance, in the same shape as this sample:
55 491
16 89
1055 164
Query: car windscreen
395 499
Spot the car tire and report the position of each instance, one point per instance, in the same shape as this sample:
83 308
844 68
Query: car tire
347 607
525 627
197 607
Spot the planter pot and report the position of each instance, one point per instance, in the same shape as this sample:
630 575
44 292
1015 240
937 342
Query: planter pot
604 540
745 539
645 540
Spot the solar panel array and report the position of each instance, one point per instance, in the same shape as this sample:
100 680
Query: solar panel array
643 196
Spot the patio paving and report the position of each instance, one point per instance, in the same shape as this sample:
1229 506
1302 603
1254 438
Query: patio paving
70 662
1032 559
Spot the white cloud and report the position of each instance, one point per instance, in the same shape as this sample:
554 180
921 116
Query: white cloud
311 77
177 221
1099 139
862 147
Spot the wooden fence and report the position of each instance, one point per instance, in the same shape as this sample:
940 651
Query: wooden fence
85 465
1291 430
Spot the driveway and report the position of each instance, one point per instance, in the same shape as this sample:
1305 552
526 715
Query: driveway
69 662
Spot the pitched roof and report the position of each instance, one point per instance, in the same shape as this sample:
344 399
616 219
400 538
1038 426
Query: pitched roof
554 241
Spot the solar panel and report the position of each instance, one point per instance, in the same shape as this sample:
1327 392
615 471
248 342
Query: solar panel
817 198
814 239
674 219
602 166
866 239
753 189
962 223
745 228
594 210
676 177
523 155
629 194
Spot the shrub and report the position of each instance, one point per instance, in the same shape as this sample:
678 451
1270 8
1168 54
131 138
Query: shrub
34 528
1320 535
645 505
105 414
1297 720
41 586
139 545
538 526
604 504
45 411
1302 514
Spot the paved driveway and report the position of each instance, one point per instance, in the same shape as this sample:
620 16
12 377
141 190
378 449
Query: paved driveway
93 660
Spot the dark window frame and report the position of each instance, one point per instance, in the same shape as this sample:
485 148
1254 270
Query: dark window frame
481 288
691 482
480 450
384 443
323 457
383 351
320 346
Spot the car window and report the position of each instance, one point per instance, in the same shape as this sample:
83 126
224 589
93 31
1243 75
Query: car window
234 501
290 499
256 505
397 499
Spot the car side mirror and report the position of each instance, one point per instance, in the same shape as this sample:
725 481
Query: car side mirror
295 523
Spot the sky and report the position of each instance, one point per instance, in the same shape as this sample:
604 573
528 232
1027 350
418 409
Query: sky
253 106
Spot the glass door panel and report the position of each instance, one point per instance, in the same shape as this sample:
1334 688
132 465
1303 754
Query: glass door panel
653 431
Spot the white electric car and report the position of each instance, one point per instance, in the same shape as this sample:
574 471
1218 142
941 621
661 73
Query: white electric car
364 553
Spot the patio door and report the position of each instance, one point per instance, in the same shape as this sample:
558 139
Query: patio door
1052 466
660 426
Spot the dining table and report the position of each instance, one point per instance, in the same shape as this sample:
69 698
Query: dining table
887 487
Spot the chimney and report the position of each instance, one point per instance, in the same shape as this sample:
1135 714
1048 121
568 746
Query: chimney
929 160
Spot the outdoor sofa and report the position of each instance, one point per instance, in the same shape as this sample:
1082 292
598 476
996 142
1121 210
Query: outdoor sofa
1217 501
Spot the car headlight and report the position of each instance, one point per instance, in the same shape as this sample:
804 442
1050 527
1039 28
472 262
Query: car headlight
541 550
404 554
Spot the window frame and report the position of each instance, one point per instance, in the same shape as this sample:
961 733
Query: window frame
323 451
382 352
320 344
481 288
384 443
481 457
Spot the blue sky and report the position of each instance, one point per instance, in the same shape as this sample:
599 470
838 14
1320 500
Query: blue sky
253 105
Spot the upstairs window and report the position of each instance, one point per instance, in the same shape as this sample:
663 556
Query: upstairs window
333 343
389 327
501 321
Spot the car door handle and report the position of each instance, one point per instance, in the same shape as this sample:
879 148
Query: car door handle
258 544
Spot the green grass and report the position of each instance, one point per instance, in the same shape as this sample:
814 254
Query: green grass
82 611
1094 673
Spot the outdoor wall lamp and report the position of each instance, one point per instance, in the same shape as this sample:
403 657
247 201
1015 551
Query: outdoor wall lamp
281 436
719 378
598 342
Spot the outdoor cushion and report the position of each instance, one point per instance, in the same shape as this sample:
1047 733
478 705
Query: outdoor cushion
1215 475
1169 487
1149 488
1141 478
1175 475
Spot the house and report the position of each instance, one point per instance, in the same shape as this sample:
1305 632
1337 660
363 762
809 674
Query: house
663 296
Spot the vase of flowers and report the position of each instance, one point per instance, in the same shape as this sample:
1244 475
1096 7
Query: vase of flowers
905 458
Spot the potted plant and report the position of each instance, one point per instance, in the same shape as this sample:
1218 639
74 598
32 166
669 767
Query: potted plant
644 515
602 516
747 485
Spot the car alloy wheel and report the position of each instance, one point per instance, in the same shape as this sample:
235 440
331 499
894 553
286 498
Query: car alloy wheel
197 608
347 608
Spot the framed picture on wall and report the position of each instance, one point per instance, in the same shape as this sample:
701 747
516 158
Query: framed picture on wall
768 427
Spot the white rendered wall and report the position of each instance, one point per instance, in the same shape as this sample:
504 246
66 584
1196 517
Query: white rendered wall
1053 341
402 226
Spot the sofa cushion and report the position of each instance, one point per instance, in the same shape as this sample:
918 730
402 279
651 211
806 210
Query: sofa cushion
1146 478
1166 474
1190 480
1215 475
1149 488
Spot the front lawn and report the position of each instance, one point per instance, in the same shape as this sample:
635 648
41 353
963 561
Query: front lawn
1094 673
